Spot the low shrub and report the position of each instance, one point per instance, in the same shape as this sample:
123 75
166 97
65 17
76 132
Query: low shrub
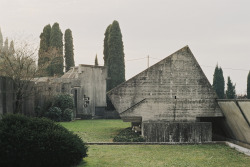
54 113
63 101
127 135
67 115
38 142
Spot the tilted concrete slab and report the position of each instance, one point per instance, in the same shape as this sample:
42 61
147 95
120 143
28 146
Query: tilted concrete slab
245 107
174 89
237 126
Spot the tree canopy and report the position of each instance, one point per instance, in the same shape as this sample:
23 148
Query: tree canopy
218 82
69 50
96 60
248 85
230 92
56 46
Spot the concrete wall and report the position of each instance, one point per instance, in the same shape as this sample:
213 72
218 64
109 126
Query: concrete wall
177 131
7 101
235 124
86 83
7 98
93 88
173 89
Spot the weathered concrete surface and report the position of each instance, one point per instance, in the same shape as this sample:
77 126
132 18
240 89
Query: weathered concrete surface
6 95
193 132
174 89
90 89
236 125
245 108
87 85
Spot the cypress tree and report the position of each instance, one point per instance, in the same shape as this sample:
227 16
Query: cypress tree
44 48
56 46
248 85
218 82
116 64
105 45
230 92
6 46
1 40
96 60
69 50
11 48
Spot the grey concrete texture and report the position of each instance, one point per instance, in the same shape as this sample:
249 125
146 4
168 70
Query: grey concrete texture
235 123
245 107
192 132
174 89
86 83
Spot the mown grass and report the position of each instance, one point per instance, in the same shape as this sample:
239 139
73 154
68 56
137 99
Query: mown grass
165 155
96 130
148 155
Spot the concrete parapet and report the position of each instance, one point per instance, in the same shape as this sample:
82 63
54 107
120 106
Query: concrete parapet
193 132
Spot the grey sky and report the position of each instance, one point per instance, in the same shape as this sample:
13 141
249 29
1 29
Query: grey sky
217 31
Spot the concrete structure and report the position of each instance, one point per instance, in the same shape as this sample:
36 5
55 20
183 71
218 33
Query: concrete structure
86 83
6 95
236 122
174 90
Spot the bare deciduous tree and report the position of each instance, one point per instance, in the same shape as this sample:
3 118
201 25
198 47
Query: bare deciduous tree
20 66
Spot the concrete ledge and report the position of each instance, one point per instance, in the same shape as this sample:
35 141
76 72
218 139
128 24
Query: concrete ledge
239 148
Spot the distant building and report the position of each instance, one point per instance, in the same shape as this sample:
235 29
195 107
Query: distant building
171 101
86 83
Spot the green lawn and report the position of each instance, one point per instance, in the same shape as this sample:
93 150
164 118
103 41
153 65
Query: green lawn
149 155
165 155
96 130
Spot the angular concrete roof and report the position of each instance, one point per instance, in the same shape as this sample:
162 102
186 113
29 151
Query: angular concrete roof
175 88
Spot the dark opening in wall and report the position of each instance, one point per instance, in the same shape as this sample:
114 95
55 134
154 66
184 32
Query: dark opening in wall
174 97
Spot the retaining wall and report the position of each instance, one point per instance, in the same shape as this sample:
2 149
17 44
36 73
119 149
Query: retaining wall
193 132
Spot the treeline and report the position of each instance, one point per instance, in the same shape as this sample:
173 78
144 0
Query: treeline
50 55
114 57
219 85
5 48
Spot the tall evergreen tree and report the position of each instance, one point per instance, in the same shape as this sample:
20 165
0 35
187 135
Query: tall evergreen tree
218 82
248 85
11 48
96 60
230 92
116 64
69 50
5 46
56 45
1 40
105 45
44 48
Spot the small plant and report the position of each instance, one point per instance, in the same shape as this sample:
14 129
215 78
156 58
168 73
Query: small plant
38 142
67 115
127 135
59 108
54 113
63 101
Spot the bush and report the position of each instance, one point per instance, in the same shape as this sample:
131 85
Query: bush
67 115
127 135
38 142
54 113
63 101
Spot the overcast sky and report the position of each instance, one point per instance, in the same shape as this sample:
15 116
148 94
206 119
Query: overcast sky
217 31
